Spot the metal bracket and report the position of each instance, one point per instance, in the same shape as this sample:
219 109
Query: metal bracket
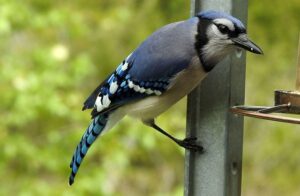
287 102
266 113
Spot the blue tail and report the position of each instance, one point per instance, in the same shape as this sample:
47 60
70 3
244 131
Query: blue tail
90 135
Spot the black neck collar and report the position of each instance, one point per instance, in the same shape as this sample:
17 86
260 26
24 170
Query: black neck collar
201 41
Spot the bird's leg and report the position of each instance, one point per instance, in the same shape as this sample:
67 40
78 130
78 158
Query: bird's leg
187 143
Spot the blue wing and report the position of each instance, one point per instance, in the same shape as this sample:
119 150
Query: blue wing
149 70
121 88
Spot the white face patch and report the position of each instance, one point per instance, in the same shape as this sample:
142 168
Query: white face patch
214 32
219 44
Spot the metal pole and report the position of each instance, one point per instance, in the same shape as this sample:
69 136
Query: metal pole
217 172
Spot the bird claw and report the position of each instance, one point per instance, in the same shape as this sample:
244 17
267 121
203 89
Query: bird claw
190 144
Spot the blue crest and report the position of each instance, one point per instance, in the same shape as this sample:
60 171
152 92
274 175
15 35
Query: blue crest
211 15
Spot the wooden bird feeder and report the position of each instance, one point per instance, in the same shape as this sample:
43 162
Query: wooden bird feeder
286 101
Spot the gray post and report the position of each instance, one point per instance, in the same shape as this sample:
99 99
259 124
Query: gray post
217 172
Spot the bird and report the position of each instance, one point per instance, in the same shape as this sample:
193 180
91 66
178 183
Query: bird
163 69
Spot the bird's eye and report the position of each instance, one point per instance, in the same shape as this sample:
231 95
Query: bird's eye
223 29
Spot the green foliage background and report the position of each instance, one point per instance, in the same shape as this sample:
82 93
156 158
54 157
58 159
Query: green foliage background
54 53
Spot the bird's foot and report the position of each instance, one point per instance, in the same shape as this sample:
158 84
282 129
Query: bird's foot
190 144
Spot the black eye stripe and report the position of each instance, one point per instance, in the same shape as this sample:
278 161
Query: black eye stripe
223 29
231 33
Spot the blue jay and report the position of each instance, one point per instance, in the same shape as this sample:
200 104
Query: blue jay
163 69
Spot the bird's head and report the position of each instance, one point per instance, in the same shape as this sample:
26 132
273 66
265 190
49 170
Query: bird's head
218 35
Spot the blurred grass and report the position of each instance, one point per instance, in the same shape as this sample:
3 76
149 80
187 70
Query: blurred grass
53 53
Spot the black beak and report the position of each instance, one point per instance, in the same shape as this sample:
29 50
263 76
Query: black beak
244 42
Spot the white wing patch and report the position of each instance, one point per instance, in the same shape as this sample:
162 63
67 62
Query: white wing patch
98 104
149 91
106 101
130 84
140 89
136 88
118 81
102 102
157 92
125 66
113 87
